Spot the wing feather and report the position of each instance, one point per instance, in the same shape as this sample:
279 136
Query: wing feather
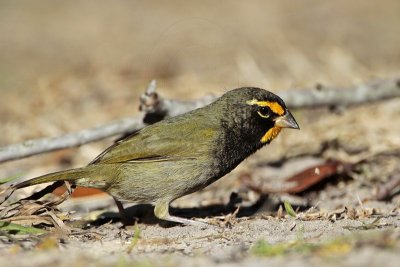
167 140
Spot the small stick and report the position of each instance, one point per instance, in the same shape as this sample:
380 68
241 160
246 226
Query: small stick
156 108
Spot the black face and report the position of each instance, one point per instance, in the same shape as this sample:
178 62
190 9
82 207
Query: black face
248 123
250 108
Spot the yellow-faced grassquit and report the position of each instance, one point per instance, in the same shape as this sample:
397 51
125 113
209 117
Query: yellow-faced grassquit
182 154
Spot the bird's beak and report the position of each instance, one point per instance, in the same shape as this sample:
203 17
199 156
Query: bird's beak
287 121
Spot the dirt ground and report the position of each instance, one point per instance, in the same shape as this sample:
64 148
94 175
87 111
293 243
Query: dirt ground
67 66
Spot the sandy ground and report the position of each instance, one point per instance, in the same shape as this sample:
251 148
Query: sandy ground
64 67
227 247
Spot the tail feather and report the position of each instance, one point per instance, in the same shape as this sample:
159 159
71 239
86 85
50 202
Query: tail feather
67 175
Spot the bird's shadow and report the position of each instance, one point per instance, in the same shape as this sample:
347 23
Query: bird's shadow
144 213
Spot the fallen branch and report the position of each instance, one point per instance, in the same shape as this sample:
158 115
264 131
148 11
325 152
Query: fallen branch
319 96
42 145
156 108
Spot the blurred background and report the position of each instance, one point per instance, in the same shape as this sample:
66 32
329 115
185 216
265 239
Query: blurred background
69 65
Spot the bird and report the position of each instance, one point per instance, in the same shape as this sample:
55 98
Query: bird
183 154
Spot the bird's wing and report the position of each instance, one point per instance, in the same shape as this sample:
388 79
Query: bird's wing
167 140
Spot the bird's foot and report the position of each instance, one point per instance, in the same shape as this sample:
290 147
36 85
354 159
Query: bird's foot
197 223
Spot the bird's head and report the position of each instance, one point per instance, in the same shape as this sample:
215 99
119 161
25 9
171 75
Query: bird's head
256 114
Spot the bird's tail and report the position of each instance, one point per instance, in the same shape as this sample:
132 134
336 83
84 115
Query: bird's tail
67 175
88 176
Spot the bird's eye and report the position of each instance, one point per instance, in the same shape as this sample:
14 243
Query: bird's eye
264 112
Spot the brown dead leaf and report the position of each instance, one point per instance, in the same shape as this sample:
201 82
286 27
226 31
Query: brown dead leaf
314 175
79 192
303 180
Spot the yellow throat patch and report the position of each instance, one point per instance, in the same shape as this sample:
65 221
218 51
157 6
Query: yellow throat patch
270 134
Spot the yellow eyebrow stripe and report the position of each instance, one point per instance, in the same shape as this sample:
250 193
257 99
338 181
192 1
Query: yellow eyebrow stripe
274 106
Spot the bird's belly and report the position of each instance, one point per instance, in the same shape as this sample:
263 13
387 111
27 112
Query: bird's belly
150 182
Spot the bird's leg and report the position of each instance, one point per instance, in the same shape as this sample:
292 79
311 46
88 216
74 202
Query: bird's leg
161 210
122 213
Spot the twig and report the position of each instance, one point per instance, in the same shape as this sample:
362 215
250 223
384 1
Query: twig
41 145
156 108
319 96
328 96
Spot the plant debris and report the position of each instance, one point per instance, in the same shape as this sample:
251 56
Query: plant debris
32 212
